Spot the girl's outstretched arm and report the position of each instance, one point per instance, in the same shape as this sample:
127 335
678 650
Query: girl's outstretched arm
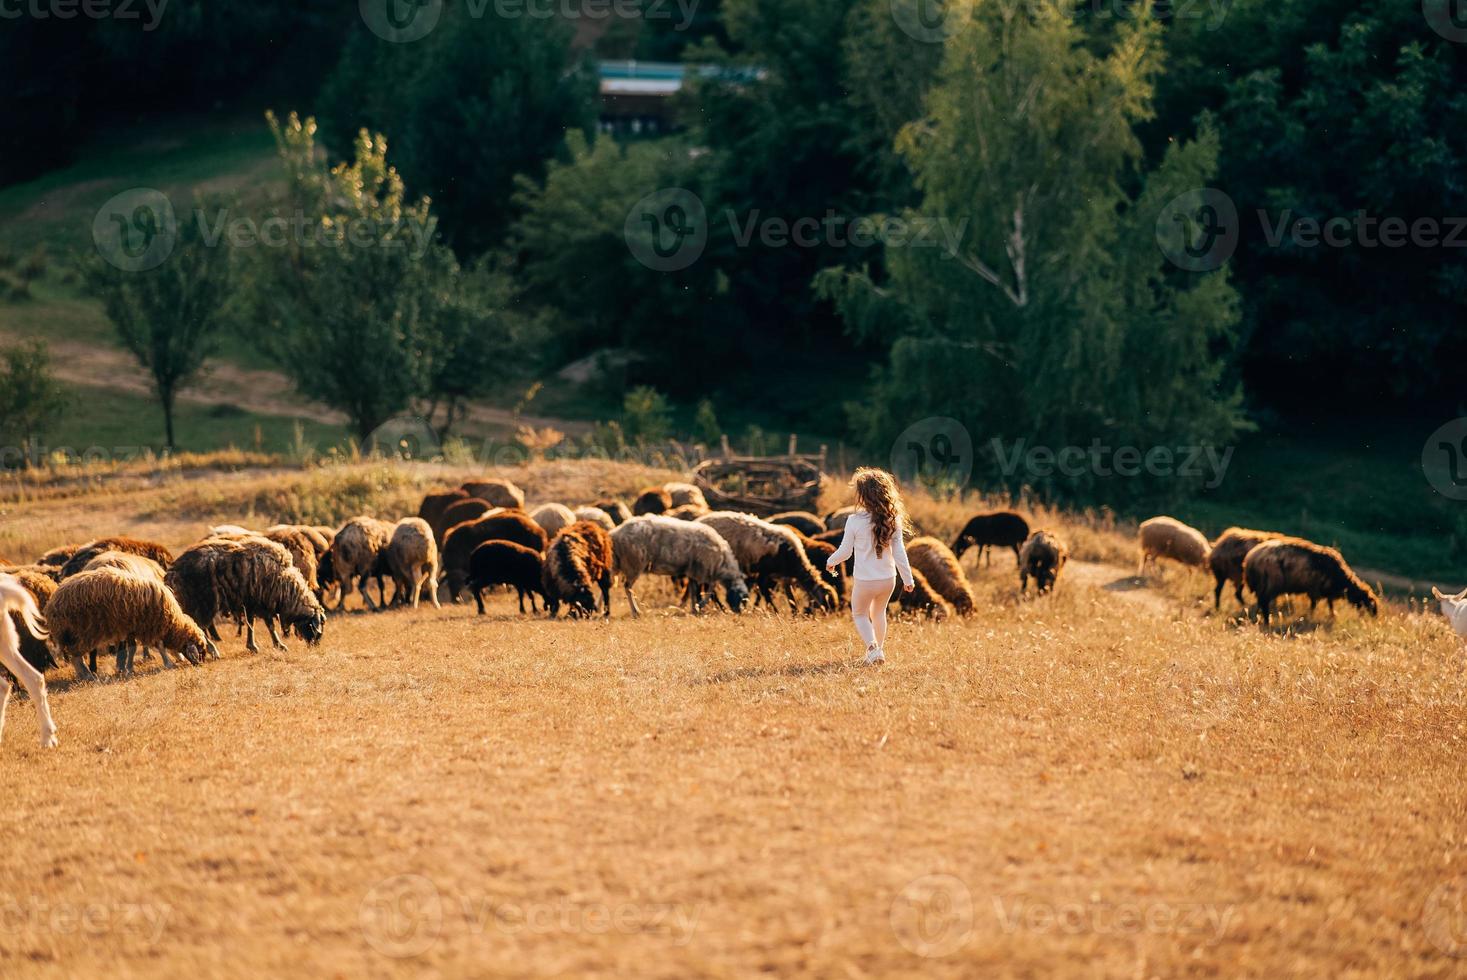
846 550
899 553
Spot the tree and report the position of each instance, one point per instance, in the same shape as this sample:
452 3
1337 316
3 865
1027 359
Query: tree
1056 319
168 316
476 102
645 415
705 424
30 398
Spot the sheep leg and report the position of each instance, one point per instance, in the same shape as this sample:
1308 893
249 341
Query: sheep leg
34 683
1141 568
250 644
122 660
79 664
1023 581
274 636
605 595
478 595
382 593
1217 594
631 599
1016 552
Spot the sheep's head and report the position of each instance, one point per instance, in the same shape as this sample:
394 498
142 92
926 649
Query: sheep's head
961 545
310 627
582 600
826 598
736 593
1361 597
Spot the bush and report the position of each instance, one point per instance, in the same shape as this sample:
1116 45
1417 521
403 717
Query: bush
33 266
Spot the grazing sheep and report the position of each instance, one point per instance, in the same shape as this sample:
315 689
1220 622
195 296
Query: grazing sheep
617 510
302 551
1167 537
553 517
412 561
1225 558
33 647
801 520
14 599
133 565
500 493
836 519
1042 557
923 598
1293 566
356 554
131 546
945 576
652 544
52 572
1454 607
106 607
576 560
768 552
682 494
505 563
688 512
58 557
596 516
992 529
459 545
434 504
819 553
460 512
245 579
653 500
319 538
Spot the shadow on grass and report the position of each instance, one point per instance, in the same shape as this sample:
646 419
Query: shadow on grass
792 670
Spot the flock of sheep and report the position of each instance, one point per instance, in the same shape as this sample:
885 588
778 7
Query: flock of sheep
119 594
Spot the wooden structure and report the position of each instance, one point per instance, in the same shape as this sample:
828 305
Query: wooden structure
762 485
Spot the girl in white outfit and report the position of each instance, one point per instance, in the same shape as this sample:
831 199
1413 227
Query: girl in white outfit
874 535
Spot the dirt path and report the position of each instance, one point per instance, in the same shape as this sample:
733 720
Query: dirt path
1118 582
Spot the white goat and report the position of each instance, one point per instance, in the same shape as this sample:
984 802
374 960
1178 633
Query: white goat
1454 607
14 598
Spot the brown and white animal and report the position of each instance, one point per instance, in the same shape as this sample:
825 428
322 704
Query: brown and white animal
1042 558
616 509
992 529
107 607
246 579
653 500
412 561
500 493
770 554
505 525
358 552
946 577
506 563
682 494
1225 558
578 560
14 599
1293 566
658 545
130 546
1167 537
553 517
41 587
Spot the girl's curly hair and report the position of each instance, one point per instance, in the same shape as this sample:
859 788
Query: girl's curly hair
877 494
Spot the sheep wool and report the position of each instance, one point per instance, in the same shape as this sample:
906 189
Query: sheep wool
946 577
657 545
412 561
553 517
107 606
1167 537
1225 559
1293 566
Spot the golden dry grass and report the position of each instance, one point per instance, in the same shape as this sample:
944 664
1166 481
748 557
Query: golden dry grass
1108 781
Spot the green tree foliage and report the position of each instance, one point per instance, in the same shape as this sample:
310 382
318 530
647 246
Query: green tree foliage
30 399
1057 321
386 316
705 424
476 102
170 316
646 415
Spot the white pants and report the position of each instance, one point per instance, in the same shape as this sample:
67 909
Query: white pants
869 599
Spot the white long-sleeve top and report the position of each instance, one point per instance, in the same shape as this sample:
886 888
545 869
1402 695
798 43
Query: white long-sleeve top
858 540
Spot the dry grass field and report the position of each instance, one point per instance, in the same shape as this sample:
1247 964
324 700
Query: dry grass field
1108 781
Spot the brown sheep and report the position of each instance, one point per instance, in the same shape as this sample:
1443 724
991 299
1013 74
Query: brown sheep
1293 566
505 563
302 551
992 529
460 512
434 504
576 560
803 521
771 553
688 512
106 607
836 519
412 561
58 557
357 554
244 579
459 545
1042 558
129 546
936 561
1167 537
923 598
682 494
500 493
617 510
1226 555
653 500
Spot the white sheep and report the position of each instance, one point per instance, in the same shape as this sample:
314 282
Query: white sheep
15 599
770 553
1167 537
553 517
1454 607
657 545
596 516
412 561
357 552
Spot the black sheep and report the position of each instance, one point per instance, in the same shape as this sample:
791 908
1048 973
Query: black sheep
995 529
505 563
